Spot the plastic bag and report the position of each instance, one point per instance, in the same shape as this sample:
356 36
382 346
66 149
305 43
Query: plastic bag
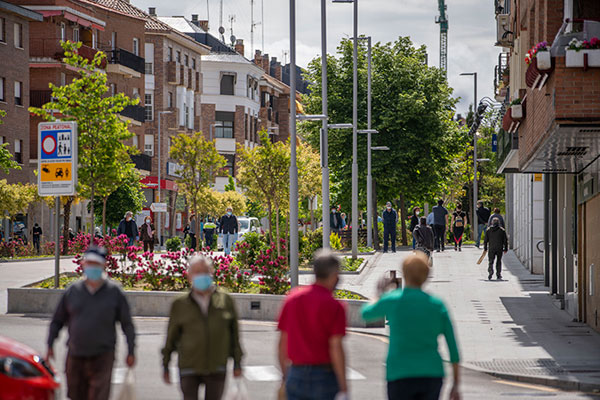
128 387
236 390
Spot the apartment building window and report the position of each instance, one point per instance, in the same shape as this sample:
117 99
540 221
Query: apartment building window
136 46
63 31
2 83
94 40
225 119
149 107
113 40
170 54
187 116
149 68
113 89
170 100
2 30
194 64
19 36
136 93
18 93
178 56
230 164
187 60
63 79
76 35
149 145
227 82
18 151
136 141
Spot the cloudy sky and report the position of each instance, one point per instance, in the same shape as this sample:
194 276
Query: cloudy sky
471 34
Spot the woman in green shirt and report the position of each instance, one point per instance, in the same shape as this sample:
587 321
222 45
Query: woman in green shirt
416 319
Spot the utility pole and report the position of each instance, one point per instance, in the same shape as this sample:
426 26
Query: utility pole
262 23
355 216
293 245
369 177
324 130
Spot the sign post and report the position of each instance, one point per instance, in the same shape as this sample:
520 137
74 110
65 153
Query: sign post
57 170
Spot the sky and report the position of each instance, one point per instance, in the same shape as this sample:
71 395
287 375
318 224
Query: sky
471 34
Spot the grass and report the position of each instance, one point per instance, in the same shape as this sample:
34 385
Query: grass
349 264
63 282
365 249
347 295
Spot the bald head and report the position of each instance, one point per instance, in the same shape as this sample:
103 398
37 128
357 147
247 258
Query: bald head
416 269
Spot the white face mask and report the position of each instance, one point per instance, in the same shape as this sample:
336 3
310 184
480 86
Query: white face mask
147 221
418 212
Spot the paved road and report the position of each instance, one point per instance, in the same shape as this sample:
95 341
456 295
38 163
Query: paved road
365 354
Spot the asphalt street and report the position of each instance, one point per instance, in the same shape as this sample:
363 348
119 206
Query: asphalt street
366 358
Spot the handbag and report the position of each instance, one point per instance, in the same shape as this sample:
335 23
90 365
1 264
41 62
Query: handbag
128 387
236 390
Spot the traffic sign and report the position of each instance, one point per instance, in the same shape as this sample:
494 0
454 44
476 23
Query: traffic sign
158 207
57 151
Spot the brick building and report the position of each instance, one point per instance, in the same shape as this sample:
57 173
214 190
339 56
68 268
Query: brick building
552 150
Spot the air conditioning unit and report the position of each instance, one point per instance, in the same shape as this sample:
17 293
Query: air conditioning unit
503 26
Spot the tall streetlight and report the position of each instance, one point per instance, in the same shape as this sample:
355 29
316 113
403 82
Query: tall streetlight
355 219
474 217
369 180
158 214
324 131
293 245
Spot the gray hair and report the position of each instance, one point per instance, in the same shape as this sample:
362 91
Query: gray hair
201 259
325 263
128 214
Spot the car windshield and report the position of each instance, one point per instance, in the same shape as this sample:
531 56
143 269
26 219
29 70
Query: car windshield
244 224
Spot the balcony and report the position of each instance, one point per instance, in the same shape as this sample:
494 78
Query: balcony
508 146
45 49
126 63
134 112
37 98
142 161
173 75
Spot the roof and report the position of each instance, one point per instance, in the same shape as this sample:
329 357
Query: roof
198 34
21 11
123 7
181 24
276 83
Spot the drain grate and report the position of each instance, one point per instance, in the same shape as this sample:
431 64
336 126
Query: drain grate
540 366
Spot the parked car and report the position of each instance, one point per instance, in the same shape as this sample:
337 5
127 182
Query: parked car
24 374
245 225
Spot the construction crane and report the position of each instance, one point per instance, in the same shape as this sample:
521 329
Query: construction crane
443 21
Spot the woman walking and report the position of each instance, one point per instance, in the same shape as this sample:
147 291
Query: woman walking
416 319
414 222
147 233
459 220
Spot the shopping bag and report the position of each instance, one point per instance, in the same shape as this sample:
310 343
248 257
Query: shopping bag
482 257
128 387
236 390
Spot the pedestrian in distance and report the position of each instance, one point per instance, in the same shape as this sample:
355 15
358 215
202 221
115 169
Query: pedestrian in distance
90 308
36 234
129 228
229 228
209 232
148 234
192 231
459 221
312 325
424 237
390 221
203 329
440 222
414 222
483 216
414 368
430 219
335 221
496 214
344 224
496 244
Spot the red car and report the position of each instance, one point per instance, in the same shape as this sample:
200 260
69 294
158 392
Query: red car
24 375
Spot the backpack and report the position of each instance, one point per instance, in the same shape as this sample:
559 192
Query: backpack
458 221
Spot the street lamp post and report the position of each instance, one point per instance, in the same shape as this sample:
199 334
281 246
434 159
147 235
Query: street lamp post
293 245
370 180
324 132
474 218
158 219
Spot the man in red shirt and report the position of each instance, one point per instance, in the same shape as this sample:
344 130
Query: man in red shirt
312 325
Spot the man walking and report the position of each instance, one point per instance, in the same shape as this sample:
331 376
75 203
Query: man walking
390 220
129 228
423 235
90 308
496 240
496 214
209 232
36 234
312 325
483 216
335 221
440 221
229 228
203 329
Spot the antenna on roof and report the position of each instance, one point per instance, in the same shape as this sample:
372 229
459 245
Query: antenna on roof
221 22
231 21
262 23
207 14
252 26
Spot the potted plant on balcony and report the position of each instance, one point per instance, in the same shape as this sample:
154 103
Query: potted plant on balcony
539 61
516 110
577 49
506 75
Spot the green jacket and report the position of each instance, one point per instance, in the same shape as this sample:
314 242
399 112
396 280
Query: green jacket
203 343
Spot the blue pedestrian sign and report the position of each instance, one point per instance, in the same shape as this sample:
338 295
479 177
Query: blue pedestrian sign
494 142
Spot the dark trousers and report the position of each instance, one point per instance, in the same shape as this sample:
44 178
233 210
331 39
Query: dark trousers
193 236
36 243
149 246
214 386
495 254
209 238
389 234
458 235
439 233
311 382
88 378
415 389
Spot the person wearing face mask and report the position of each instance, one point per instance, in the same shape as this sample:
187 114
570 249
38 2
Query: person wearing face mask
90 308
390 220
203 329
497 241
414 222
335 221
312 325
148 234
483 216
229 228
129 228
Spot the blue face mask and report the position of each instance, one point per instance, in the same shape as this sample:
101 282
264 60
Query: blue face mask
202 282
93 273
229 213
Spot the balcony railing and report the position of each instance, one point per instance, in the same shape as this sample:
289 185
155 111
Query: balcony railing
506 142
37 98
134 112
142 161
128 59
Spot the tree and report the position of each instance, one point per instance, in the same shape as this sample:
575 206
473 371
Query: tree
230 187
412 108
233 199
101 148
15 198
110 209
6 159
200 163
309 175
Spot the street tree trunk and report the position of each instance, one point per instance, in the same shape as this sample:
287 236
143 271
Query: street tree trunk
104 201
66 218
277 231
403 219
93 228
270 212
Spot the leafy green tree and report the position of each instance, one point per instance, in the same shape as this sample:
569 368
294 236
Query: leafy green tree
6 159
101 148
127 197
230 187
15 198
200 163
412 108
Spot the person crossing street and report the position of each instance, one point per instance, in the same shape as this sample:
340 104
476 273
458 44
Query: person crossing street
497 242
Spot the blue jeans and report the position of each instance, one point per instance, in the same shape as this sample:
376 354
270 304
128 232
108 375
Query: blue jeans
311 382
414 242
229 240
480 230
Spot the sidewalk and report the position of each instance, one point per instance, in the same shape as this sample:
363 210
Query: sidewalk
509 328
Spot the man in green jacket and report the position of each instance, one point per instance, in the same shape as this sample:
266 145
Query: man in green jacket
203 329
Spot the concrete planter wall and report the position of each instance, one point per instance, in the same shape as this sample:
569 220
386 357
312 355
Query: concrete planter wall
262 307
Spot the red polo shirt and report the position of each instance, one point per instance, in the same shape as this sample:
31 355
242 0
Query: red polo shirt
311 316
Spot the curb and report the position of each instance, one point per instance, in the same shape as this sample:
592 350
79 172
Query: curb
7 260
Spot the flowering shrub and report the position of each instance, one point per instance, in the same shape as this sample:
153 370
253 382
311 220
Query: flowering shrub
272 270
592 44
228 274
309 243
16 248
249 248
541 46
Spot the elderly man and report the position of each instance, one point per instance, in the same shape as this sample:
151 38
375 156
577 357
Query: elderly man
312 325
90 308
203 328
497 241
129 228
229 228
